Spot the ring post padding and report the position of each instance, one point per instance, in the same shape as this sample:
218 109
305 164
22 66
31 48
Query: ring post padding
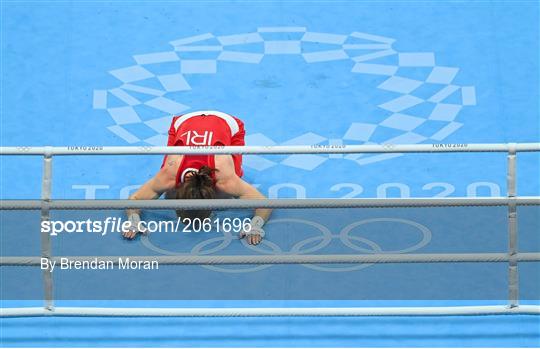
513 275
46 186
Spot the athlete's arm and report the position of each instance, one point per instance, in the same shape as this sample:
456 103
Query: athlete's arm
228 182
163 181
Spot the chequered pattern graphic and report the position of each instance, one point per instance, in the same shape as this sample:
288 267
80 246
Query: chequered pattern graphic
402 110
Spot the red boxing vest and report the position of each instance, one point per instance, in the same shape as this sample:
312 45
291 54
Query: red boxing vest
205 128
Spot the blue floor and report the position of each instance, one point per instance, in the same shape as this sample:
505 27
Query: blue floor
503 331
328 73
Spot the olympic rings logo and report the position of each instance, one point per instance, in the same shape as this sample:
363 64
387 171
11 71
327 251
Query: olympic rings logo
309 245
23 149
145 148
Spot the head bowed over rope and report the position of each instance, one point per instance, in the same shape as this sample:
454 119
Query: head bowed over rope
197 185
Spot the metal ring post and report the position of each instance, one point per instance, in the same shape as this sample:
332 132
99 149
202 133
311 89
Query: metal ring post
46 186
513 276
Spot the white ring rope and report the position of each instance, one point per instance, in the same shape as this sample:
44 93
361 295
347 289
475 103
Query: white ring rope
275 149
290 259
252 312
266 203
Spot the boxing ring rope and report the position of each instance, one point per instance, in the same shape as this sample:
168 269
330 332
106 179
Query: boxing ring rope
243 312
290 259
274 149
512 257
220 204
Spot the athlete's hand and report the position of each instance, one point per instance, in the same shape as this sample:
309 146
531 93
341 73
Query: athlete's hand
129 233
253 236
134 228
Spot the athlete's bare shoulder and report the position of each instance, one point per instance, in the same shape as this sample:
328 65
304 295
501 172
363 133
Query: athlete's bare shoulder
172 163
224 166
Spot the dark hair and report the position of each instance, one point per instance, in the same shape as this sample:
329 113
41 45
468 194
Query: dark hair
199 185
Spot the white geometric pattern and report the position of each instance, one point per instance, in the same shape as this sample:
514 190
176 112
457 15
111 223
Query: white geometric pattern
291 43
